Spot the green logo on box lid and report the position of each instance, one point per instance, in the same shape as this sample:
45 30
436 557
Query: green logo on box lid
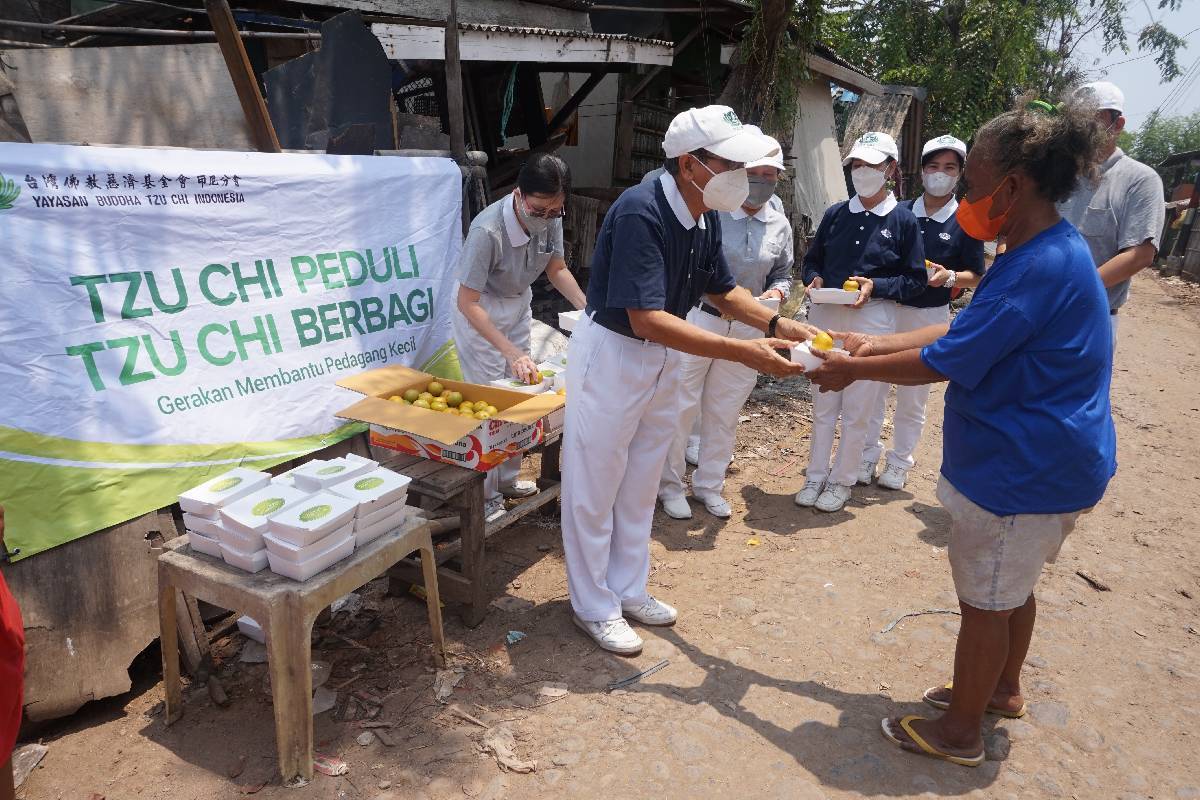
333 469
315 513
268 506
366 484
225 484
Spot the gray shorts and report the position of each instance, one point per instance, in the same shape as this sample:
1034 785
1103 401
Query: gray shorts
996 561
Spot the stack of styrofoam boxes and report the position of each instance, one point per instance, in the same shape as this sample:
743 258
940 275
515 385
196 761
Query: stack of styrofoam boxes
245 522
202 506
380 495
558 366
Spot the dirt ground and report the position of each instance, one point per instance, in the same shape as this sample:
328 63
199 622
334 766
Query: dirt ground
778 671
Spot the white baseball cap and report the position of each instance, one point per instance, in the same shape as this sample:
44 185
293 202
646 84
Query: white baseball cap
775 159
718 130
873 147
1106 96
946 142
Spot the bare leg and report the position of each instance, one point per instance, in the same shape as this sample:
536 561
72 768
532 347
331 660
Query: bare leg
1007 695
7 790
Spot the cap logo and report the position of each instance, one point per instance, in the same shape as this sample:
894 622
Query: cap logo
869 138
732 118
946 139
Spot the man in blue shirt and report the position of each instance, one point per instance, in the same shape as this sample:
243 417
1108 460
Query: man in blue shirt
657 253
1028 440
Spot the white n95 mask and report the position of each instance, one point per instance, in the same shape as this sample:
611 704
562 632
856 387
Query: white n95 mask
867 181
726 191
939 184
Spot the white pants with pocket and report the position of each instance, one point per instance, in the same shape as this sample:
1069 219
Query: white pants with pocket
715 390
909 420
854 404
621 417
482 363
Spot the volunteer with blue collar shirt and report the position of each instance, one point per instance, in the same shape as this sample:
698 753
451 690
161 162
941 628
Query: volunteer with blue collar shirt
657 254
954 260
757 242
874 241
509 245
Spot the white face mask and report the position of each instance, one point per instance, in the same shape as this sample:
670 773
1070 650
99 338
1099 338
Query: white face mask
534 225
867 181
726 191
939 184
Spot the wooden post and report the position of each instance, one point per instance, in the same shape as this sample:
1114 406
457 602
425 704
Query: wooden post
253 105
454 87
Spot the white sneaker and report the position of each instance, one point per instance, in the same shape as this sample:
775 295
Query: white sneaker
652 612
519 489
893 477
715 504
833 498
615 636
676 507
493 509
692 454
807 496
866 473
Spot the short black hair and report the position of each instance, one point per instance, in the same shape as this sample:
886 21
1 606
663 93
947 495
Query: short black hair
544 174
925 159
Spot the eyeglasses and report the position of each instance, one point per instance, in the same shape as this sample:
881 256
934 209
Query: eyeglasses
543 213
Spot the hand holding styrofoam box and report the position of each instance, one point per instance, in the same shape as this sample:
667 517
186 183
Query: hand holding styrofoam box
373 490
252 512
802 354
515 385
313 519
317 474
207 498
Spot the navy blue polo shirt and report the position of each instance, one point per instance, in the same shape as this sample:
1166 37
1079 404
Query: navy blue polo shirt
883 244
1028 426
645 258
946 244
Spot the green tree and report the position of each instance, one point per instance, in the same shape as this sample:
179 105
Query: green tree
1161 136
975 56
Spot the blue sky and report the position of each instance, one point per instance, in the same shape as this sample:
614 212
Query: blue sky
1138 75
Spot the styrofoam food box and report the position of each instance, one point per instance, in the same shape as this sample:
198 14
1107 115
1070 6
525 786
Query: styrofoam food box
251 514
556 361
558 380
312 520
255 561
835 296
203 544
802 354
338 548
211 528
567 320
241 540
771 303
355 458
514 385
367 533
286 478
222 490
373 490
394 509
251 629
301 553
317 474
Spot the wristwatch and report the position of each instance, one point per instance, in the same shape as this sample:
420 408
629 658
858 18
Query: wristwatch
771 326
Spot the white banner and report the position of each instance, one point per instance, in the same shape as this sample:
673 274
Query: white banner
167 313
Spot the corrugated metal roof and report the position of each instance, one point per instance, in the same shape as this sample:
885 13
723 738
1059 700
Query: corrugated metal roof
612 37
570 5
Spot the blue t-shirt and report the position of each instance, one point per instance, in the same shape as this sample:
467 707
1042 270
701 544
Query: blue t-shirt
946 244
887 249
1028 426
646 259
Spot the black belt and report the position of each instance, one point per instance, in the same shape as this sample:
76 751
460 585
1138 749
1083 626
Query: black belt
615 327
707 309
1112 312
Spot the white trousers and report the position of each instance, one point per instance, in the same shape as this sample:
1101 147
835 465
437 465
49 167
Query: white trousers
621 417
482 363
909 419
715 390
854 404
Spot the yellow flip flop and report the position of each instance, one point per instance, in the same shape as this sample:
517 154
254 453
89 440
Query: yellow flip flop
926 747
943 705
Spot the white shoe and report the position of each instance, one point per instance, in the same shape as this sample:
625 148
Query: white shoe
692 454
807 496
715 504
833 498
866 473
652 612
615 636
893 477
519 489
676 507
494 509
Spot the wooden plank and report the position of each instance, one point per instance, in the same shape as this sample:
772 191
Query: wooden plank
403 42
244 80
150 96
654 73
843 76
454 89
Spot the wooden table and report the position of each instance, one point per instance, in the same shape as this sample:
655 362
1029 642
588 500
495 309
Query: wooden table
462 489
286 610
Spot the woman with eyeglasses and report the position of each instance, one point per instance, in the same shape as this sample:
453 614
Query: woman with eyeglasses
509 245
953 260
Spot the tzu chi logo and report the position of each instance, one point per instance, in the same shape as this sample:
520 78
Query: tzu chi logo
9 192
885 233
945 237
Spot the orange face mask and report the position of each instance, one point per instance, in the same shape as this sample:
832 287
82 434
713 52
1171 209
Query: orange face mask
974 220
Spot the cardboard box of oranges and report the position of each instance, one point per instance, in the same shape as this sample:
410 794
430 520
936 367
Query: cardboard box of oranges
408 416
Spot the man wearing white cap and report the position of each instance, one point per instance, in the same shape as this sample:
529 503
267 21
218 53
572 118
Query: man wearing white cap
757 242
657 254
1122 217
874 241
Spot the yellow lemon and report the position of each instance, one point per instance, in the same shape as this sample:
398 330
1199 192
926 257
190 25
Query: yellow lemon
435 388
421 404
467 407
492 411
850 286
426 396
454 399
396 398
481 405
822 341
482 415
563 392
454 411
438 405
412 395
